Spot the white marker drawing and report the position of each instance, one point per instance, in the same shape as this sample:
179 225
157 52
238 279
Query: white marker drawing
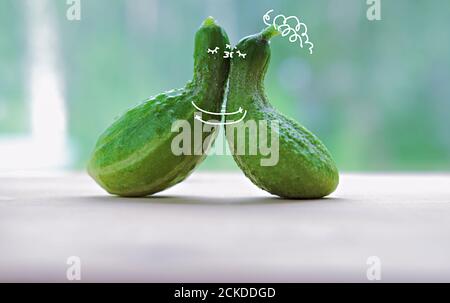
223 113
241 55
221 123
213 51
286 29
228 55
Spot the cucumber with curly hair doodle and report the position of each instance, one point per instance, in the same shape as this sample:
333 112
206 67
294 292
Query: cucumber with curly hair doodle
134 157
304 168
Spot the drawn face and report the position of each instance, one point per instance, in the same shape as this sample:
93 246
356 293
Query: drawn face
229 52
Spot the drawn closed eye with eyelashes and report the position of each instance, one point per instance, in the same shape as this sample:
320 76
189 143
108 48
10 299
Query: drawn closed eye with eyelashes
240 54
213 51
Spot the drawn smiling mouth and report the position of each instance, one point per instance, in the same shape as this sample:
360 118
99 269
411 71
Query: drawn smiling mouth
222 113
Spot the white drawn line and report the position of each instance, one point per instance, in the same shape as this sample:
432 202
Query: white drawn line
286 29
221 123
241 55
213 51
228 55
240 111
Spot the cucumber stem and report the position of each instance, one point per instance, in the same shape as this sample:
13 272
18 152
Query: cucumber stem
269 33
209 21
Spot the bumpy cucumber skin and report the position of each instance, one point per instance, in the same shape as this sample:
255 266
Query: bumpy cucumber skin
133 157
306 169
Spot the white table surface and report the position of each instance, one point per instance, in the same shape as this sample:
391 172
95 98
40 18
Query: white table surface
221 228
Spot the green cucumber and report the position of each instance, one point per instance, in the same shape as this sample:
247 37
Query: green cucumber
305 168
133 157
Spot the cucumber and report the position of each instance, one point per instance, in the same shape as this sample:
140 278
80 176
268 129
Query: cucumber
133 157
305 169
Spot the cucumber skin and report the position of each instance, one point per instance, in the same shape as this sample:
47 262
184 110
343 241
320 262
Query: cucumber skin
133 157
306 169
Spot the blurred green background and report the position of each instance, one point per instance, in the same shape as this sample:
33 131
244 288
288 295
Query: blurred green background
377 93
